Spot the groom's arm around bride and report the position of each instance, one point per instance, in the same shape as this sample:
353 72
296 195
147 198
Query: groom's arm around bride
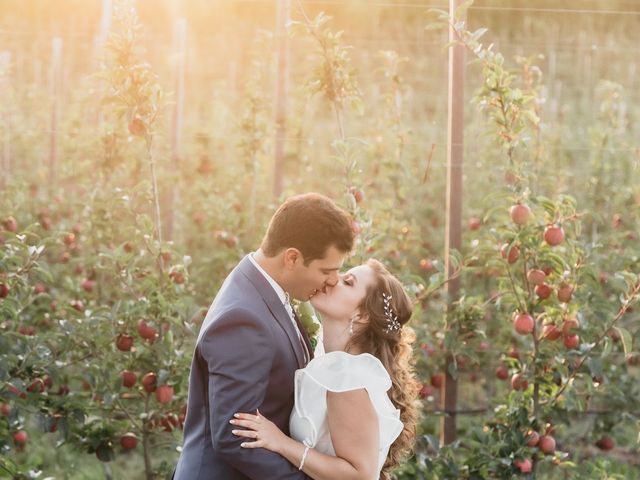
241 361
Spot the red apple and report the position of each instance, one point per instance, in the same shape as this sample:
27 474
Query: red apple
511 177
5 409
36 386
164 394
437 380
551 332
69 239
177 277
77 305
523 323
20 437
553 235
632 359
565 292
128 378
533 438
129 441
4 290
146 331
10 224
16 391
543 291
149 382
358 194
169 422
606 443
569 325
510 254
474 223
137 127
39 288
53 426
502 372
519 381
426 391
524 466
571 341
88 285
426 265
547 444
513 353
124 342
26 330
536 277
520 214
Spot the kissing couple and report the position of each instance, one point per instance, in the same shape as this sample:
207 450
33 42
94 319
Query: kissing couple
261 405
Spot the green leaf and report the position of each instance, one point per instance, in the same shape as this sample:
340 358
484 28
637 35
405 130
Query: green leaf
462 9
607 347
478 33
547 204
435 26
442 14
627 339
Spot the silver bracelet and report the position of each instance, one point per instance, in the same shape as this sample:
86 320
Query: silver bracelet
304 456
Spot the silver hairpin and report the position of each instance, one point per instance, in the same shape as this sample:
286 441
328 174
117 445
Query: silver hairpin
393 325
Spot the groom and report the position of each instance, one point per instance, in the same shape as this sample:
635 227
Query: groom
251 342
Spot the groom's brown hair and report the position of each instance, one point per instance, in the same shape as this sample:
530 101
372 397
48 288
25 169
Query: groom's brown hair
311 223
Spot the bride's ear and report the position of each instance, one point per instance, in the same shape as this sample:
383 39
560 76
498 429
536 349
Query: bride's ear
361 317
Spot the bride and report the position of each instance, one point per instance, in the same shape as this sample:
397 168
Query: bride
355 407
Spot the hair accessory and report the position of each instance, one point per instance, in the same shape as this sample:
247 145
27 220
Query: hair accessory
393 325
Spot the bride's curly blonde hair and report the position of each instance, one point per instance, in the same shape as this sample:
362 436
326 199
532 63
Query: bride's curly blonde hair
393 348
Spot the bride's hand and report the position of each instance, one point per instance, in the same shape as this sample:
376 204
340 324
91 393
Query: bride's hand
264 432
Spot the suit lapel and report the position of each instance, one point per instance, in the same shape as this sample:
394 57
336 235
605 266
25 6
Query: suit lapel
274 305
305 337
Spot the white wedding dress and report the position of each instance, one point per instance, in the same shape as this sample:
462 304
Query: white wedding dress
340 372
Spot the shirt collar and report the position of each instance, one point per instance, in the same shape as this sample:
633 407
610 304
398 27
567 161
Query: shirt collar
282 295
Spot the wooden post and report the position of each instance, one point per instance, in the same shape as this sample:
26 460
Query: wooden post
5 82
282 17
99 43
176 122
105 23
55 80
453 225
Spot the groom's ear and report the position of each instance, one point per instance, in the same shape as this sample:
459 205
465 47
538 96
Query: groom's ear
291 257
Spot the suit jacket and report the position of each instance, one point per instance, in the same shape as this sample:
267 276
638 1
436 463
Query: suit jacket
245 358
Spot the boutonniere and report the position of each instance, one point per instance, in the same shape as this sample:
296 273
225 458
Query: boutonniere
309 320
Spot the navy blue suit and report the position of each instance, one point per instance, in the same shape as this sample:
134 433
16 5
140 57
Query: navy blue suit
245 358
